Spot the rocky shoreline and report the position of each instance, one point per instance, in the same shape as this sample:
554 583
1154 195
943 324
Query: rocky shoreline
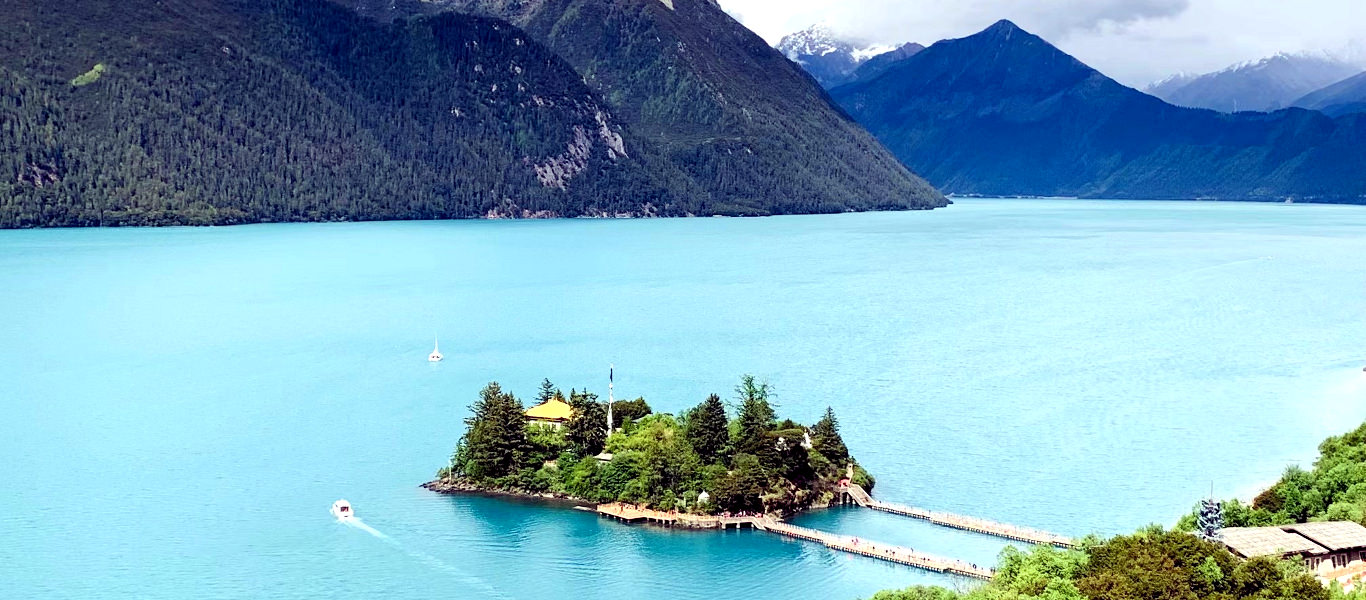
456 487
459 486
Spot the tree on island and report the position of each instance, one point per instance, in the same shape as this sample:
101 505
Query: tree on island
708 430
495 443
756 418
626 411
586 428
657 460
743 487
825 438
548 392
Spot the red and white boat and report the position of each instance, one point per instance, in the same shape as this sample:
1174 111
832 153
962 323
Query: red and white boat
341 509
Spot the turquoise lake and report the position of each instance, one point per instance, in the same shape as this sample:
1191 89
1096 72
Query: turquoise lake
181 406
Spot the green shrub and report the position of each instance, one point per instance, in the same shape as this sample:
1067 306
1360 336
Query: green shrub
88 77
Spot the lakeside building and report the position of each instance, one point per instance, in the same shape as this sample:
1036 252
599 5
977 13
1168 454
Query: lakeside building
1333 550
552 413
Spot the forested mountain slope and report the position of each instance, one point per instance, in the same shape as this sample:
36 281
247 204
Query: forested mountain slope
232 111
750 127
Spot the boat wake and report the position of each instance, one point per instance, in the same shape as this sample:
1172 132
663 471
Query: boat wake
429 560
359 524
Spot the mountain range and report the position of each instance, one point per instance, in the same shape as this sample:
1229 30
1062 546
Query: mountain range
1005 112
1264 85
834 61
1344 97
148 112
747 126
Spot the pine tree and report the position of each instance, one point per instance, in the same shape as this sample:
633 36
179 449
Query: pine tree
495 444
1210 521
756 417
825 438
547 392
708 431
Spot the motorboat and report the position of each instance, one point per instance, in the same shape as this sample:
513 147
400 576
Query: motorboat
435 356
341 509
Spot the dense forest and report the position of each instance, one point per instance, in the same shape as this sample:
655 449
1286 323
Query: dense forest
147 112
752 462
226 112
748 126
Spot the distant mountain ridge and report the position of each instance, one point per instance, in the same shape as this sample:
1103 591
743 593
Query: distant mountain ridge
833 61
1341 98
1005 112
1264 85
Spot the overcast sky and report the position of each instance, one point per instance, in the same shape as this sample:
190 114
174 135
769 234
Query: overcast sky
1134 41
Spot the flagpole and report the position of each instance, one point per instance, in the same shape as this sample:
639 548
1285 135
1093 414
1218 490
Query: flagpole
610 373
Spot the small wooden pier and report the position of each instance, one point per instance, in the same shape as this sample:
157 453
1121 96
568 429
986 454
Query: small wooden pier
856 494
878 550
627 513
860 497
888 552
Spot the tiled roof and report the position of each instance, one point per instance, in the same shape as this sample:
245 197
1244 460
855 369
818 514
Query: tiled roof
1267 541
1333 535
550 410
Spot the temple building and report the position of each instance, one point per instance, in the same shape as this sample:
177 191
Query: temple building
553 413
1333 550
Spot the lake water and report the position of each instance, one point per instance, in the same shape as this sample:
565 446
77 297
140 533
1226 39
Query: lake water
181 406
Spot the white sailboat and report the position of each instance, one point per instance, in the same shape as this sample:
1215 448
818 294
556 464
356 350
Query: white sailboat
435 356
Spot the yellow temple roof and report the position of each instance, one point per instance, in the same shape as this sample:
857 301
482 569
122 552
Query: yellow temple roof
551 410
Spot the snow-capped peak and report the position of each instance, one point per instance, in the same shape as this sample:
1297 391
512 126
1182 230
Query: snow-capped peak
862 54
816 40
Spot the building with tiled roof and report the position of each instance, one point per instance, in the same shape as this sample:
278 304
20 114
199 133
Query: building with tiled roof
553 412
1333 550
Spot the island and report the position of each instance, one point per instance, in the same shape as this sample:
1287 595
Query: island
700 462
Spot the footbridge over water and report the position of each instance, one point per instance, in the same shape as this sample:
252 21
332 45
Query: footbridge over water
843 543
859 496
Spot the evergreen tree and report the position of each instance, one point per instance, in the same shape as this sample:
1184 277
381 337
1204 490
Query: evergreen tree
587 426
825 438
547 392
791 460
495 444
1210 521
743 487
707 430
756 417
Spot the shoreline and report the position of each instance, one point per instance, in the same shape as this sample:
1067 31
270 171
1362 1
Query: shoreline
687 521
458 488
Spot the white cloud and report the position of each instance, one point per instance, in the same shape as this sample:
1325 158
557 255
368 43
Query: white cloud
1135 41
